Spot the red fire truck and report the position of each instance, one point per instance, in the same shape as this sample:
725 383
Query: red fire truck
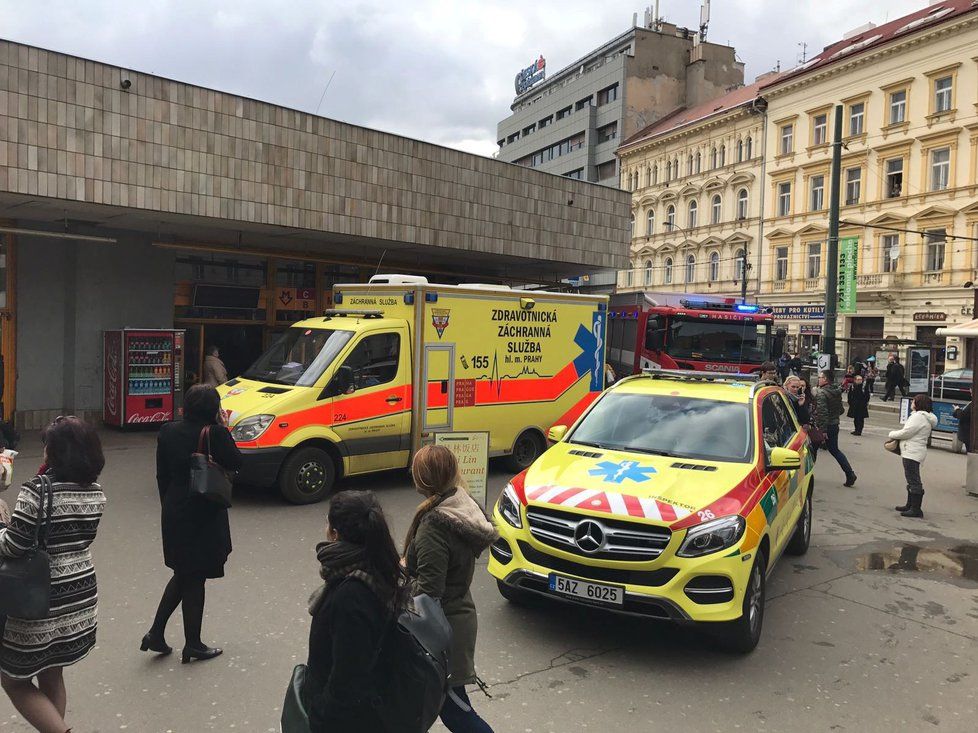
693 332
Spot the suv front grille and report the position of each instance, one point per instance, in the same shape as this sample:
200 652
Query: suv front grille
650 578
620 540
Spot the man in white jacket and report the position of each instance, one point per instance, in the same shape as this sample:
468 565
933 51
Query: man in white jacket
913 437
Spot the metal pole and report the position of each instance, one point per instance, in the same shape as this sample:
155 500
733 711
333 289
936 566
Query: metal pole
832 266
973 347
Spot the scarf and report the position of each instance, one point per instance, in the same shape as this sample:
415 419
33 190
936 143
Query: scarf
339 560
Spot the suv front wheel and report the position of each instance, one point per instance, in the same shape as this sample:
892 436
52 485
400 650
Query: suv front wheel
742 635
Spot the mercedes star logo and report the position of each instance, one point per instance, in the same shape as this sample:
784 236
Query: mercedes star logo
589 536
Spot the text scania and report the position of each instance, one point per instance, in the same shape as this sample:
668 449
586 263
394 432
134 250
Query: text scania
528 316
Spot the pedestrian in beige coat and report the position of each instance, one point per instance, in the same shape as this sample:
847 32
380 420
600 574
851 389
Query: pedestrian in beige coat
215 373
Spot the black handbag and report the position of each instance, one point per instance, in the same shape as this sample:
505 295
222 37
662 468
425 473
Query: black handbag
25 582
295 717
208 479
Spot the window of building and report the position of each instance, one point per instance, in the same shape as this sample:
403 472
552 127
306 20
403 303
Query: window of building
689 165
529 129
854 182
891 251
740 151
513 138
650 222
577 174
648 272
608 94
655 174
606 170
940 168
713 158
935 242
670 218
857 118
715 209
723 155
546 121
690 268
781 263
742 204
698 161
820 129
675 166
691 215
740 264
817 193
749 148
582 103
814 259
562 113
784 198
942 94
502 142
714 266
894 178
898 107
608 132
787 139
667 271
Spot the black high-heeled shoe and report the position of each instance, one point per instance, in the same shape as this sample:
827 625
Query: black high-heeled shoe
153 643
202 653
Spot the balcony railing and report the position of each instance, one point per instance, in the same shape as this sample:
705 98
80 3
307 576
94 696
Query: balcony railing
780 286
814 284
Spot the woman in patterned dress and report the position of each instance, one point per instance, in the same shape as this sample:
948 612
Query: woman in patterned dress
41 649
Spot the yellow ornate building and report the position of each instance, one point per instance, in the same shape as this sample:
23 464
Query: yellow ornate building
909 93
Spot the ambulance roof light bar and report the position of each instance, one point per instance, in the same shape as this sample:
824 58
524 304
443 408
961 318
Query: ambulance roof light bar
693 375
336 313
737 308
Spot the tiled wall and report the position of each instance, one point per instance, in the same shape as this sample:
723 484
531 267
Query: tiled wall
69 130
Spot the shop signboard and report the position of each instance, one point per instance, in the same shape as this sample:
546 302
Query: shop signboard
929 317
472 453
848 260
919 372
798 312
810 329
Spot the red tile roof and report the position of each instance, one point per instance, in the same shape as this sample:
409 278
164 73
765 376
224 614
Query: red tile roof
682 116
937 13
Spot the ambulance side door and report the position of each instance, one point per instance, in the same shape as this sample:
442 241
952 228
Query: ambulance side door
779 430
371 415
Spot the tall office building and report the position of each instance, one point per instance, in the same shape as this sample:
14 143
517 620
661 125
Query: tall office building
572 122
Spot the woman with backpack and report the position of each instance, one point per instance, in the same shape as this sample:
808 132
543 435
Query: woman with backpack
351 614
448 532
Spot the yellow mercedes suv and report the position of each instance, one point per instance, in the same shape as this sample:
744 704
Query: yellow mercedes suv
672 497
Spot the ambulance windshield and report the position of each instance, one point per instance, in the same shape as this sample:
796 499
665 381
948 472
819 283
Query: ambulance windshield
299 357
667 425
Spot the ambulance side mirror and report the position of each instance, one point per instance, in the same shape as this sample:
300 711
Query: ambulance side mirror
557 433
341 383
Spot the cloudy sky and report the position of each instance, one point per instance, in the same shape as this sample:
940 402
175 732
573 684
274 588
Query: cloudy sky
439 70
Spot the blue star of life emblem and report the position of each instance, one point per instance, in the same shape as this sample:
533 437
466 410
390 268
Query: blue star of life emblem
617 473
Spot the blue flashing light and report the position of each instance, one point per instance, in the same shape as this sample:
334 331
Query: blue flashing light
430 297
409 298
748 308
338 298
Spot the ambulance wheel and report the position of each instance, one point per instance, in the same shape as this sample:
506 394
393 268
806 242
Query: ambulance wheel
742 635
798 544
526 450
307 476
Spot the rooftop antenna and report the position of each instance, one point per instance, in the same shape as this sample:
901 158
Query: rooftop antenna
704 19
803 56
656 19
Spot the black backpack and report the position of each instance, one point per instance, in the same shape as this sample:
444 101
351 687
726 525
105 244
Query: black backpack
412 668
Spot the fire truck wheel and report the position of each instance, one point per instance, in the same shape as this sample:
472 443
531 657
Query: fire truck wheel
526 450
307 476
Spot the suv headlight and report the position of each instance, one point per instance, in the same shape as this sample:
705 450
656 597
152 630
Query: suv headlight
712 536
251 428
509 507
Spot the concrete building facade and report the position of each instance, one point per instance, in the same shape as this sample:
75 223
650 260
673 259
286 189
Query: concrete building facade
121 192
572 123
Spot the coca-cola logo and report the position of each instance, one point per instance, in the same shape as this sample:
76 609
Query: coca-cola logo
154 417
112 393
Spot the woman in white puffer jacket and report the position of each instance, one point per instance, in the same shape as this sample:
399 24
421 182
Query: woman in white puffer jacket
913 437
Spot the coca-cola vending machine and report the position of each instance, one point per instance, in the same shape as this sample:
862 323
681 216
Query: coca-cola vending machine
143 376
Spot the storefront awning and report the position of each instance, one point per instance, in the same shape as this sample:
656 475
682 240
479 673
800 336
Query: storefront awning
964 330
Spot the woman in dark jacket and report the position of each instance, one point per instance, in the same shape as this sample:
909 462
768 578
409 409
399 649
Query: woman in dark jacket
350 615
858 404
196 533
448 532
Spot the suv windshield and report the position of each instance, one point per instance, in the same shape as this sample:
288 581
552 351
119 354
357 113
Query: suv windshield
299 357
684 427
732 341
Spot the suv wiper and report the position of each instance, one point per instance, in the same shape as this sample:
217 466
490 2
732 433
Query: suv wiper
591 445
650 451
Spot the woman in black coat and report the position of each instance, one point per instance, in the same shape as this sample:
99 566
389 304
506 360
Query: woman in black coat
858 404
196 533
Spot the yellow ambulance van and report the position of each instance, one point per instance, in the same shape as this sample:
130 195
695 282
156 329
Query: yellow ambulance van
361 388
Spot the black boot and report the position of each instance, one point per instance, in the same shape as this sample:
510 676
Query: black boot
906 505
154 642
850 481
914 510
